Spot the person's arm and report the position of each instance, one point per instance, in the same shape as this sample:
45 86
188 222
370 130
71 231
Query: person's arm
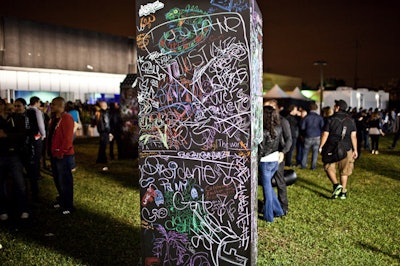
287 136
354 143
40 121
324 138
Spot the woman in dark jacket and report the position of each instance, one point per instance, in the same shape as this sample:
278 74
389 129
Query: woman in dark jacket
270 159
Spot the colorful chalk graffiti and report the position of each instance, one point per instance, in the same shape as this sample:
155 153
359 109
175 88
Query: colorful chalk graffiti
199 83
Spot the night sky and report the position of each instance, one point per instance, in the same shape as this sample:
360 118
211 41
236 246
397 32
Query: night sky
296 33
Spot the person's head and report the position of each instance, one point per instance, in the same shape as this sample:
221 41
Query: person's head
10 108
313 107
103 105
340 105
34 101
2 105
293 110
57 105
19 105
327 111
375 115
273 103
270 119
69 106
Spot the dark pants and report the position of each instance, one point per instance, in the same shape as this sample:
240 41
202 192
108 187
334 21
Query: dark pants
289 155
63 180
11 165
374 142
396 138
101 155
281 187
33 168
116 139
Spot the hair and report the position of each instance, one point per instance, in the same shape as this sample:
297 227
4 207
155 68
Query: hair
21 100
313 106
69 106
33 100
291 107
270 120
375 115
327 111
2 101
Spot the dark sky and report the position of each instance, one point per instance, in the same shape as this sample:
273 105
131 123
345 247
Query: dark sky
296 33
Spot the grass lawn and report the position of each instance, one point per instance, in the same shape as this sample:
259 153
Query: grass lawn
361 230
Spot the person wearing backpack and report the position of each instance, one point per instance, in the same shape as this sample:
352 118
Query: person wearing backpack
340 126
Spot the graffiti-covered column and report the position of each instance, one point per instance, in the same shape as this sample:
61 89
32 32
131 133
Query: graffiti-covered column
199 81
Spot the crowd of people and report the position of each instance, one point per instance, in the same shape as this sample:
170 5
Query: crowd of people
34 133
290 134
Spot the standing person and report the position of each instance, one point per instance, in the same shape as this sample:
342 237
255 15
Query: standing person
269 162
104 129
361 124
61 152
115 129
312 126
31 152
331 135
374 131
294 121
39 134
396 130
284 147
12 139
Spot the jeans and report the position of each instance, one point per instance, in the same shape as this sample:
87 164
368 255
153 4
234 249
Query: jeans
63 180
312 143
33 168
11 165
272 207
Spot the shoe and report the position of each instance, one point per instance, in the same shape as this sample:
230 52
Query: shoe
74 169
3 217
376 152
104 169
24 215
66 212
56 205
373 151
336 191
343 195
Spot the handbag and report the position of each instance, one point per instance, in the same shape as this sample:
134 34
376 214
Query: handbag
335 152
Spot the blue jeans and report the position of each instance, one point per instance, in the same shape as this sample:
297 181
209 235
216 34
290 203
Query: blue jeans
11 165
272 207
63 180
312 143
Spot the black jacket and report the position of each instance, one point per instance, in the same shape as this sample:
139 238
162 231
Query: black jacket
269 144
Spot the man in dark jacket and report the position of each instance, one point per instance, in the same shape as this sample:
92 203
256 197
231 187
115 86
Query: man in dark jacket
104 129
284 148
312 126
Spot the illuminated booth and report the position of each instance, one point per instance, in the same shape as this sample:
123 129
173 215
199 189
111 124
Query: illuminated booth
200 100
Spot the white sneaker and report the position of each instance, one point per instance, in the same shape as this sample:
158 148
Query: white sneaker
3 217
376 152
373 151
24 215
105 169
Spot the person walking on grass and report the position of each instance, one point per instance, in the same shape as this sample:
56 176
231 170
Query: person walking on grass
331 135
61 152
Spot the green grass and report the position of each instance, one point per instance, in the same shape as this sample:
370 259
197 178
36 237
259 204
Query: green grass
361 230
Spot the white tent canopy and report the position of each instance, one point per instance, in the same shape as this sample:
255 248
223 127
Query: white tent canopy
275 93
296 94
